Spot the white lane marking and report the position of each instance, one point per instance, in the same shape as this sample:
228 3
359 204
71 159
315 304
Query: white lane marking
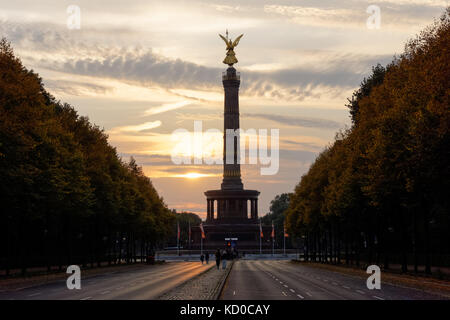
359 291
87 298
234 292
378 298
346 287
300 296
105 292
34 294
334 283
292 290
285 286
325 280
284 293
281 282
309 294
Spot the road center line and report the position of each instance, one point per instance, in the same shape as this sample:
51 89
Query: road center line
359 291
87 298
300 296
378 298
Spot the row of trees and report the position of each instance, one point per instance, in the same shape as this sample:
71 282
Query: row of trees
183 220
380 193
66 196
278 207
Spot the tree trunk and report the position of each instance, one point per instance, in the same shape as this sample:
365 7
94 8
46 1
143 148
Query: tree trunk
426 228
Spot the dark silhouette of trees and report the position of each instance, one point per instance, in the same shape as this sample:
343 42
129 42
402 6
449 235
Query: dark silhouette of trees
183 219
380 193
278 206
66 196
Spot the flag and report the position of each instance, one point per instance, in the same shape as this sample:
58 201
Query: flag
273 231
260 230
178 231
285 232
203 230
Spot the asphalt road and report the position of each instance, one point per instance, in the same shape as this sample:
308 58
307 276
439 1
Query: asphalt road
138 284
284 280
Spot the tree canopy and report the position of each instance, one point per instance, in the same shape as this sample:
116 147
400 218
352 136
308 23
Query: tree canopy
67 196
381 191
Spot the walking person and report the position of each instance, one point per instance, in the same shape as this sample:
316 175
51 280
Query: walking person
207 258
224 260
217 254
202 258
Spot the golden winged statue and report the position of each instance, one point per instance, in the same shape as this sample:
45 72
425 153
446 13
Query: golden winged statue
230 59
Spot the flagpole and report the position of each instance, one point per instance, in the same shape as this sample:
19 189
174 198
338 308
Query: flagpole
284 239
273 238
189 238
260 238
178 238
201 238
272 246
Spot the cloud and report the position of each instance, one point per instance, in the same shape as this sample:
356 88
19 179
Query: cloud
146 67
400 15
304 145
424 3
141 128
166 107
324 73
76 88
149 69
298 121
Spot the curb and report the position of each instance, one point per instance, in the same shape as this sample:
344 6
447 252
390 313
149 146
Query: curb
184 282
219 288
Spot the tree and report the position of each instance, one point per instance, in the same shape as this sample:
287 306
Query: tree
382 188
67 196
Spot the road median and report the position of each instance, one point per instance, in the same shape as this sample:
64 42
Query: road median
206 285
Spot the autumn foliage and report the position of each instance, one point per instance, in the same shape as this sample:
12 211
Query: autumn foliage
381 192
66 196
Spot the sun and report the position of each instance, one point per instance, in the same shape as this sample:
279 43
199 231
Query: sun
193 175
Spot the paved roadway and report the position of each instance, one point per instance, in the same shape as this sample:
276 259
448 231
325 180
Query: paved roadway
284 280
142 283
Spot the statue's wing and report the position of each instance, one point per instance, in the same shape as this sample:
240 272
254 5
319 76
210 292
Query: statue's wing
236 42
224 39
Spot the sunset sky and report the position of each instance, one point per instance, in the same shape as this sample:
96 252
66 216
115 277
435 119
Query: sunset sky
141 69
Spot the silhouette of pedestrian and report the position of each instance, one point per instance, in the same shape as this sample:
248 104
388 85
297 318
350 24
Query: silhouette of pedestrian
224 260
207 258
217 259
202 258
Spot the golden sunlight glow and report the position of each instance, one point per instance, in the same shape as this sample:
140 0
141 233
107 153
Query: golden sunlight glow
194 175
